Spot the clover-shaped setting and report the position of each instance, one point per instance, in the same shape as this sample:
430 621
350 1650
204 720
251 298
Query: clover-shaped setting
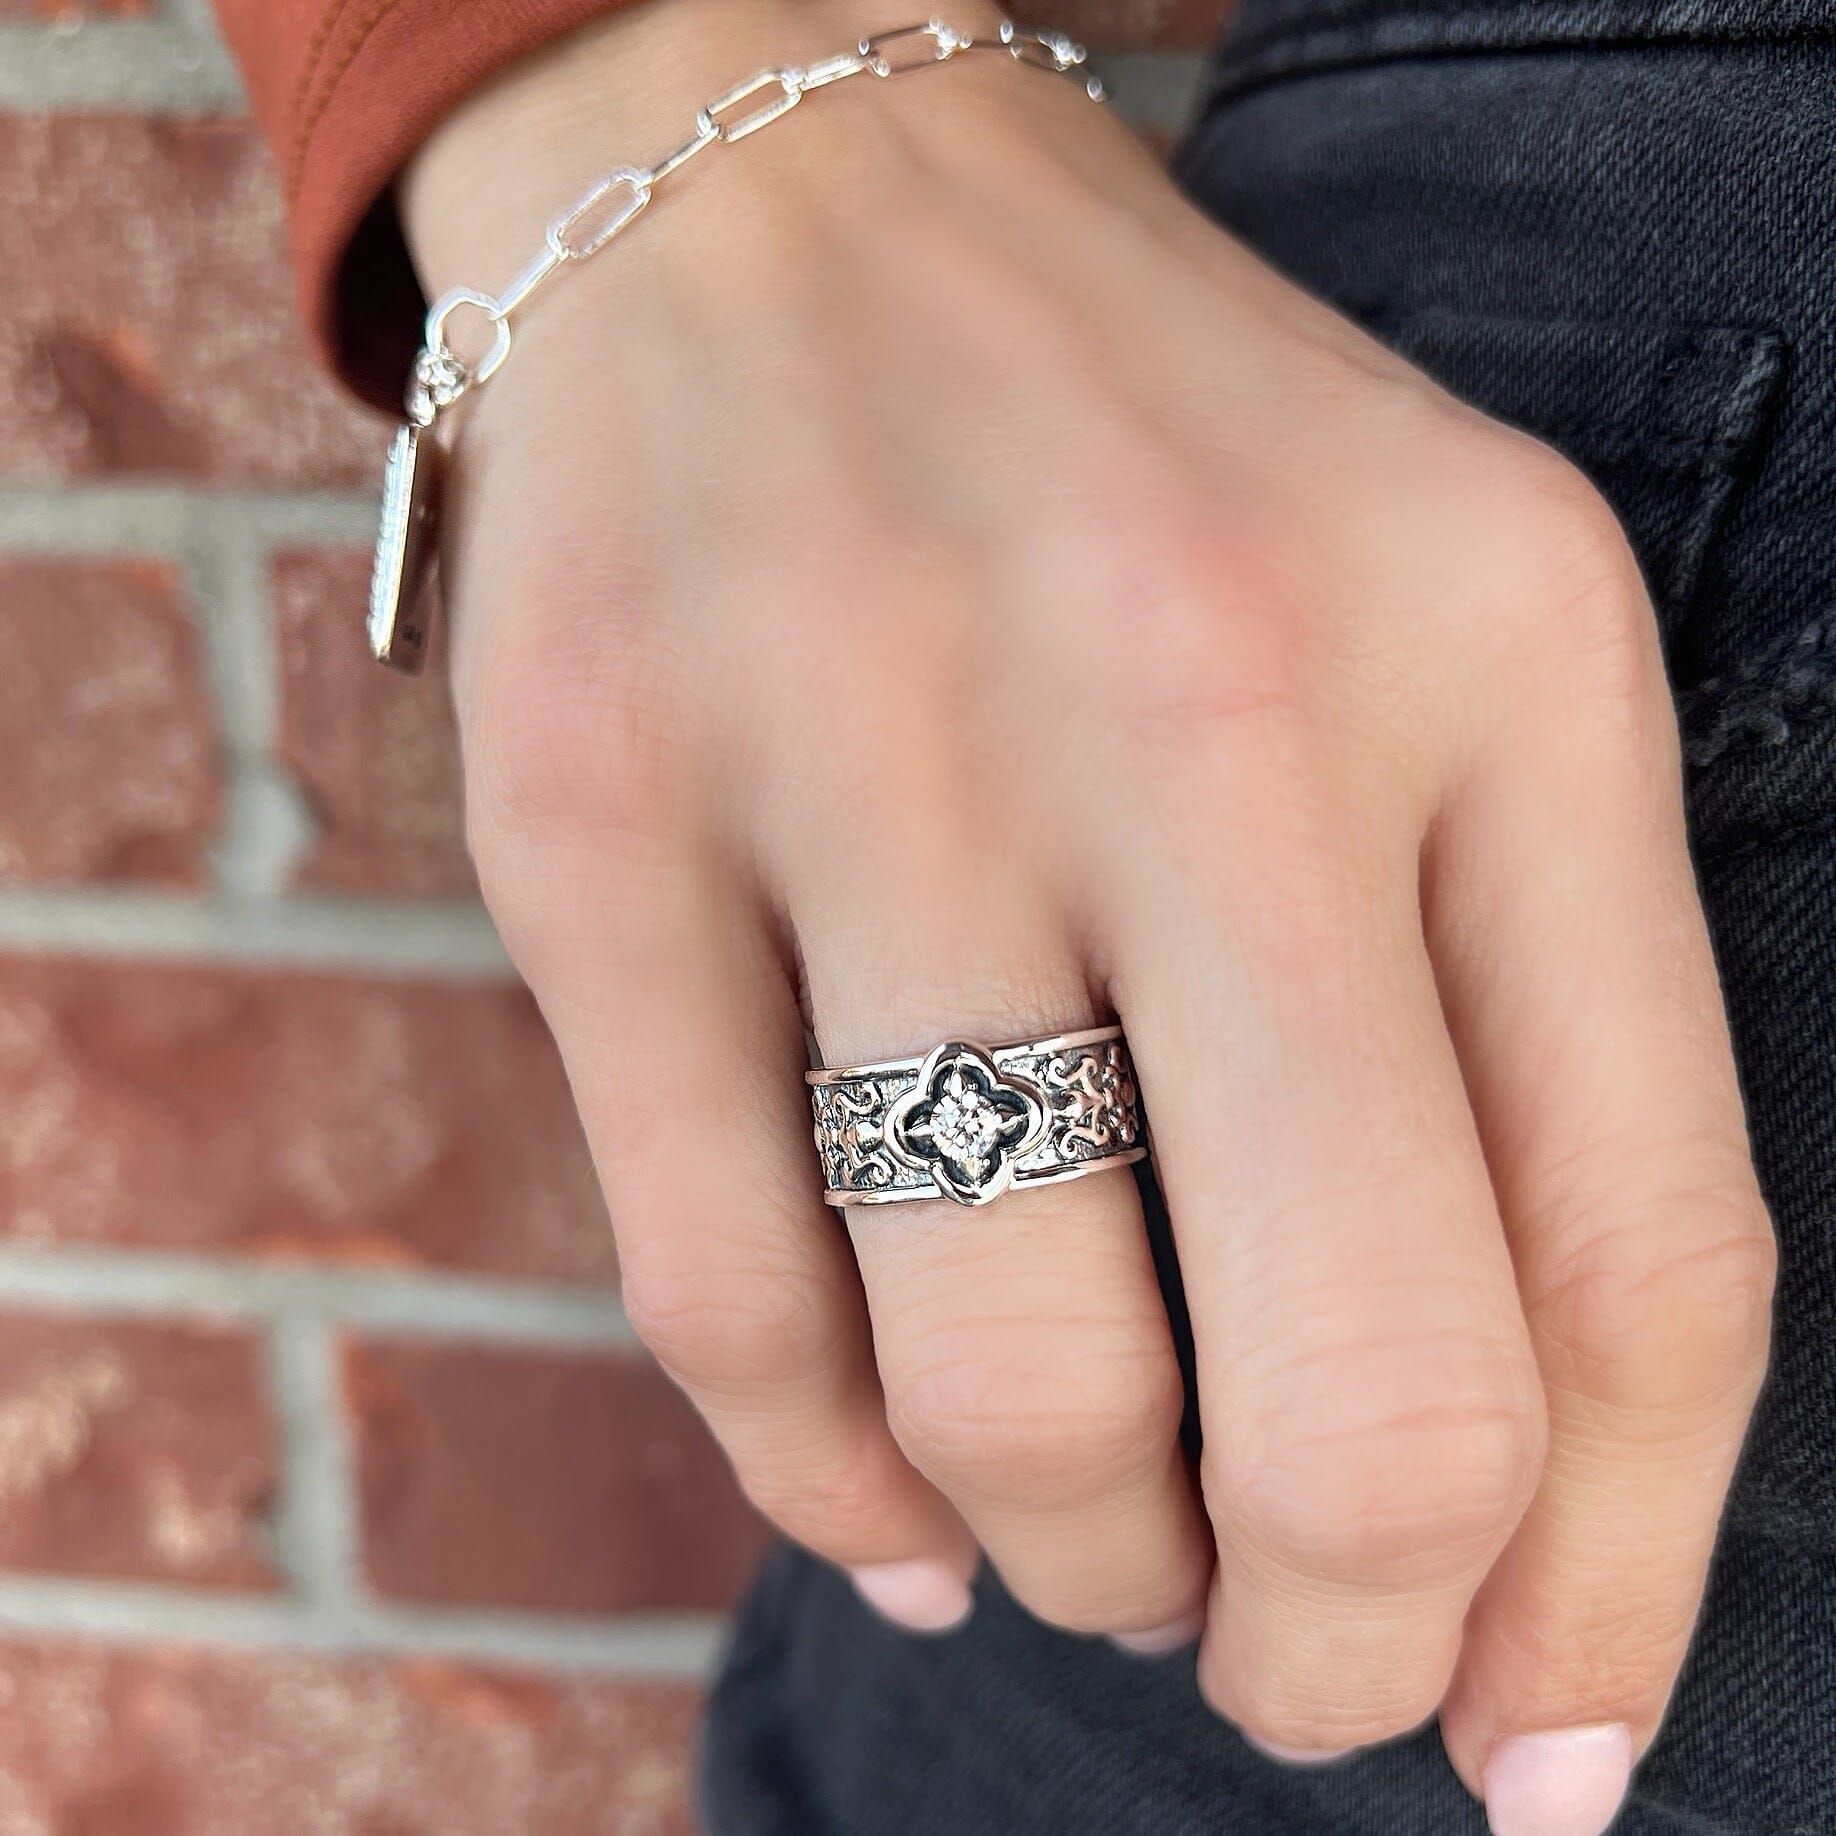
967 1123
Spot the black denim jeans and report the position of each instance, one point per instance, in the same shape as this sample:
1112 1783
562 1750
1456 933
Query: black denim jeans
1614 225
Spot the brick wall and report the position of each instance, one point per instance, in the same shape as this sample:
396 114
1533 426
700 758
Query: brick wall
335 1498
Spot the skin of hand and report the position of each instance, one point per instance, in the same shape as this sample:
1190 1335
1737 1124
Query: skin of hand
928 573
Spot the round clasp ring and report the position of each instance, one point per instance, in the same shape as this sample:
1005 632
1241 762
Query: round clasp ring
443 309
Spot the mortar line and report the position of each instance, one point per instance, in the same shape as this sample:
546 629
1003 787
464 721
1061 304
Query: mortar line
420 1304
315 1518
128 517
148 66
663 1646
226 561
192 16
268 824
444 939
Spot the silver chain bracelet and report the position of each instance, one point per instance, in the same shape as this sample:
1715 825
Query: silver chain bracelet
405 544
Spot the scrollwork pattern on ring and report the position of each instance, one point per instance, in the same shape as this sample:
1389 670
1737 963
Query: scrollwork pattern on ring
1094 1101
851 1138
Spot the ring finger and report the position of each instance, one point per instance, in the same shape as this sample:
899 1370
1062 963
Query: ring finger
1025 1352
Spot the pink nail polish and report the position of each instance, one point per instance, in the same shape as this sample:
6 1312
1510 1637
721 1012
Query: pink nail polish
1174 1636
921 1595
1567 1782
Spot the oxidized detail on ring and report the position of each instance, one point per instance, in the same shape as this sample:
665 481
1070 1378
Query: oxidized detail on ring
968 1123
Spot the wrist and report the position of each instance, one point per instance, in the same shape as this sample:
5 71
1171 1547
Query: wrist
623 89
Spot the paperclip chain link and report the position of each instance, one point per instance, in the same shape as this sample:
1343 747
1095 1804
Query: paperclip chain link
610 206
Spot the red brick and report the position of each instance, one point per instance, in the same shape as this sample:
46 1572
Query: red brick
104 1742
146 327
108 757
135 1450
546 1479
378 759
293 1115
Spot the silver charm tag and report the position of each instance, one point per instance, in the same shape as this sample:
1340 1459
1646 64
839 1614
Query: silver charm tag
399 608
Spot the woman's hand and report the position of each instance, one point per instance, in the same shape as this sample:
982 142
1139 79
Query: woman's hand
927 567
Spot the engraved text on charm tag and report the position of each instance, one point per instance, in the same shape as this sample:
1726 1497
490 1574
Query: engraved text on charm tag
399 606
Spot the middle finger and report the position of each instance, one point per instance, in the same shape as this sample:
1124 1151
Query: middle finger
1371 1409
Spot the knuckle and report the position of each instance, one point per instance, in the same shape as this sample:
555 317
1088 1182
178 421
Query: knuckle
992 1424
837 1506
1560 504
1316 1710
723 1330
1667 1303
565 739
1103 1596
1617 1650
1217 653
1582 598
1403 1462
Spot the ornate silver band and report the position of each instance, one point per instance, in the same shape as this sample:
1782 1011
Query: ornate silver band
969 1122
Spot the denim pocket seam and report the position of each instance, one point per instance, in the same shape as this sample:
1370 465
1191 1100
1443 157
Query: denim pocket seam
1767 702
1695 411
1741 429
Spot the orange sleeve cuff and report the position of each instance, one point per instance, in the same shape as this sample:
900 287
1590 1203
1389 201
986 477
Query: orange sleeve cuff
345 91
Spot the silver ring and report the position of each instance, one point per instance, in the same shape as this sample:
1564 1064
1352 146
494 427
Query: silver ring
969 1122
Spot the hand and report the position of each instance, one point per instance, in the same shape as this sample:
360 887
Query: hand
928 568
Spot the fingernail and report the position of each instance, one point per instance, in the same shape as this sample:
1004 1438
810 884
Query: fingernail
921 1595
1569 1782
1299 1756
1175 1635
